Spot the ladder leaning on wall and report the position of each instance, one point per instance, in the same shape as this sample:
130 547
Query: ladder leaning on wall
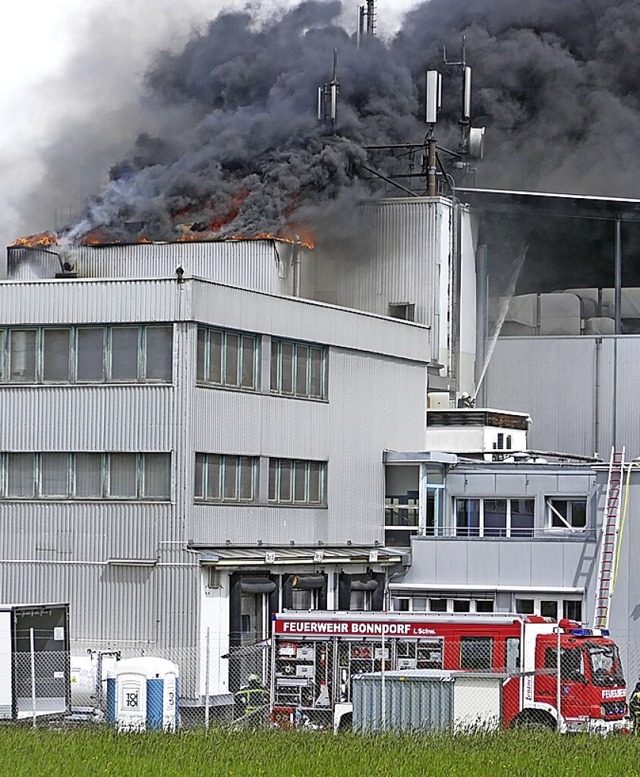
609 540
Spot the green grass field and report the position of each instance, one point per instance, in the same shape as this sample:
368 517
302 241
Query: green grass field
44 753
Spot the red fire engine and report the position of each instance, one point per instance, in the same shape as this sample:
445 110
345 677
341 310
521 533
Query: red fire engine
546 665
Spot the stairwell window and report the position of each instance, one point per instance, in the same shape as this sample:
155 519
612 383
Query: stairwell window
298 369
228 359
567 514
296 482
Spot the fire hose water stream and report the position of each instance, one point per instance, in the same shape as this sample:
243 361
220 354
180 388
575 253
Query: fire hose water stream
503 310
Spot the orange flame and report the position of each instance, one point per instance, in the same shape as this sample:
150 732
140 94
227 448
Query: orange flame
36 241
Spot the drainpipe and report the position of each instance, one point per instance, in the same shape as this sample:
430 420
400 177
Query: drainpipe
295 263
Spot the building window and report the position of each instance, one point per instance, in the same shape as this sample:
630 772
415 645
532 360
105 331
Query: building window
567 514
297 482
572 609
494 517
223 478
476 652
85 476
401 516
298 369
550 608
228 359
93 354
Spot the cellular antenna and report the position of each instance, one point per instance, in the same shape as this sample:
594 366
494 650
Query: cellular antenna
328 96
471 139
366 20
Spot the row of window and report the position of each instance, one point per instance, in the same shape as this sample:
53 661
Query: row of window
235 479
86 354
549 608
479 517
125 353
85 476
232 360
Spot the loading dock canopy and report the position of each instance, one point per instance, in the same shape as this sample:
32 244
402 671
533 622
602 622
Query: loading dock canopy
269 557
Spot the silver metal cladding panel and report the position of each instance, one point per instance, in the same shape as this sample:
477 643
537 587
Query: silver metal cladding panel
410 704
552 379
92 302
84 532
87 418
406 253
488 563
310 321
253 264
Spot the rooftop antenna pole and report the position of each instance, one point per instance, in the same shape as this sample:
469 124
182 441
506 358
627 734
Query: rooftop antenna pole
433 100
328 96
465 106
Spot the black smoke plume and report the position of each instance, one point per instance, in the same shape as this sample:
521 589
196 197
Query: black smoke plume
555 84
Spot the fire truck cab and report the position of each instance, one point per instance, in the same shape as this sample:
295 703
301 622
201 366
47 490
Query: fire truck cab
547 665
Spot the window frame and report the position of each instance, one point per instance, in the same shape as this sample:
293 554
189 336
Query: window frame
278 467
204 353
494 532
301 388
552 513
225 462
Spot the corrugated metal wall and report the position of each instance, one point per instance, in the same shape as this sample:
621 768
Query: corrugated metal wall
582 392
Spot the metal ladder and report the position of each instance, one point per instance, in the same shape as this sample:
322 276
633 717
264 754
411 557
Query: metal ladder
609 541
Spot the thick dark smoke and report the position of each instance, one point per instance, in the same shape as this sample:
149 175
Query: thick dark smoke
555 84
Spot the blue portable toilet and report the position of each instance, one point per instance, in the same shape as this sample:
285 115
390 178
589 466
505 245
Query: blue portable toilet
142 694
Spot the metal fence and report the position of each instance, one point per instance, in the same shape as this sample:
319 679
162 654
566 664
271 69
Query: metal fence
251 686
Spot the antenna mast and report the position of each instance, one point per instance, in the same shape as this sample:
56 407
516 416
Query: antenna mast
328 96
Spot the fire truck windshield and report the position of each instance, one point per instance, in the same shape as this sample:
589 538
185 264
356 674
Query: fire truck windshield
605 664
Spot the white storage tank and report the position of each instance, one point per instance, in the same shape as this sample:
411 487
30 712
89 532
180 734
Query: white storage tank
142 694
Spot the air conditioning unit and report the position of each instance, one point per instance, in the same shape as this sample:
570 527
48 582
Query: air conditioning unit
438 400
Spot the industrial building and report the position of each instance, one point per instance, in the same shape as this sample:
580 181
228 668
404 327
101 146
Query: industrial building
197 434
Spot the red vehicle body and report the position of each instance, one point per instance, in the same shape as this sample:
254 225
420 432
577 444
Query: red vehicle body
316 653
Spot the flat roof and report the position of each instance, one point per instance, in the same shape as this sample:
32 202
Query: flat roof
551 203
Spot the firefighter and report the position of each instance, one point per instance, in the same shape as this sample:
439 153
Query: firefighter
634 708
253 698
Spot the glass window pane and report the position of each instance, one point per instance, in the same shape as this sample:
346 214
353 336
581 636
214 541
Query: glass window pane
299 481
578 513
88 475
20 474
248 362
522 514
213 477
273 479
284 493
22 354
90 354
525 606
215 357
275 383
549 609
159 352
558 509
124 353
56 354
475 652
232 347
198 485
316 472
157 475
495 517
123 475
316 387
467 517
286 368
202 342
302 359
230 477
54 474
247 478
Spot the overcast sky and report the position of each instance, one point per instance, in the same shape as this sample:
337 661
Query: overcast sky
71 74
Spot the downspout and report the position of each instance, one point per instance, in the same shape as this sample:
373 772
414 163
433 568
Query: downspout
455 301
618 326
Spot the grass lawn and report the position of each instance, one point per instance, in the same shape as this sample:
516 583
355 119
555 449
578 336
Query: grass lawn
28 752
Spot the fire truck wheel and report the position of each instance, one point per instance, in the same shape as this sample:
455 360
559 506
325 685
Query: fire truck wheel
533 719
